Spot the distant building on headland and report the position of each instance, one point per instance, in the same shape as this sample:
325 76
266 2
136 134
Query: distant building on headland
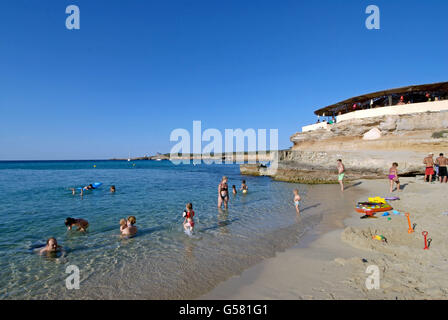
405 100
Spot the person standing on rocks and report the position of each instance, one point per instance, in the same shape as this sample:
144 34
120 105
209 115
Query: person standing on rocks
442 162
429 163
341 174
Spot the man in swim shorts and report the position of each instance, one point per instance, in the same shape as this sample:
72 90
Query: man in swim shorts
341 173
442 162
429 163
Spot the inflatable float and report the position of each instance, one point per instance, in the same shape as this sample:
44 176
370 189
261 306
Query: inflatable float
95 185
369 208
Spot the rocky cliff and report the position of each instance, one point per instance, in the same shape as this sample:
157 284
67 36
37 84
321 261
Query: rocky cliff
367 147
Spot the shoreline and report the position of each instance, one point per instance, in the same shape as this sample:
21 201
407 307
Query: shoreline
333 264
264 281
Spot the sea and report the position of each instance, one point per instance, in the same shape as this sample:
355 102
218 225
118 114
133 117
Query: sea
161 261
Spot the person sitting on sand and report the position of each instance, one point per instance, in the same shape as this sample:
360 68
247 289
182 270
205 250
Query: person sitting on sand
130 229
112 189
429 163
51 246
341 173
223 193
188 215
442 162
393 177
296 200
244 187
234 189
80 223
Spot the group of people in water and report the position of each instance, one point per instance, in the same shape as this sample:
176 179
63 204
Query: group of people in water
127 226
223 191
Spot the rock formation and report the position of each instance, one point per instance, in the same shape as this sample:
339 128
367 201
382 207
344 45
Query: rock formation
367 147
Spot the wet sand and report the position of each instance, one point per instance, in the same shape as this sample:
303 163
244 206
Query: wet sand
332 263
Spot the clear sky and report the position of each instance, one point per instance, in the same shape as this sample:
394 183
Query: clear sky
138 69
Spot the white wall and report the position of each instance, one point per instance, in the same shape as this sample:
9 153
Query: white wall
311 127
433 106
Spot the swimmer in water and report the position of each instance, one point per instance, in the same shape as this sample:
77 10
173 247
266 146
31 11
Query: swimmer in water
234 189
244 187
51 246
89 187
130 229
188 215
80 223
296 200
112 189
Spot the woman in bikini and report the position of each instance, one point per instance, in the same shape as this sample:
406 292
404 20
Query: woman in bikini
223 193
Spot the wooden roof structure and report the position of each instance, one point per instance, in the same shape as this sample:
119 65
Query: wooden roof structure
440 87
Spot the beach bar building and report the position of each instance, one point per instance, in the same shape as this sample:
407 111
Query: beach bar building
411 99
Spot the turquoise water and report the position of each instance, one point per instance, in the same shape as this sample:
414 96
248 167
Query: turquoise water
161 262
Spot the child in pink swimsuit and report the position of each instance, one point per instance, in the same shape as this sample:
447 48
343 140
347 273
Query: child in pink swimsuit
393 177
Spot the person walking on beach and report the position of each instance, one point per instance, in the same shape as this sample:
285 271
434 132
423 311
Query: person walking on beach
129 229
223 193
341 173
442 162
80 223
429 163
393 177
296 200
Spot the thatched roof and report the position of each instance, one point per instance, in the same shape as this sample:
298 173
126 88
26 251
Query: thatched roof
434 87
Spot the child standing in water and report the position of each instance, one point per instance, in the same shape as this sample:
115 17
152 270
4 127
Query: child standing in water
123 225
393 177
244 187
188 215
296 200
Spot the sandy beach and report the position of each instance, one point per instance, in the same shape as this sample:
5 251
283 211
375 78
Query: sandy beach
333 263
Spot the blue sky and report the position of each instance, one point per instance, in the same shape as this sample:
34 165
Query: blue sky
138 69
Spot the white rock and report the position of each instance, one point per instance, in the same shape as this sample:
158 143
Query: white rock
372 134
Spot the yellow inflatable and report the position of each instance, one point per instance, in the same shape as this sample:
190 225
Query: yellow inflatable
377 200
